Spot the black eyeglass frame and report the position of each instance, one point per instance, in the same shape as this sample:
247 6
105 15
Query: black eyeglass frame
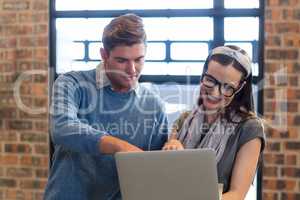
221 85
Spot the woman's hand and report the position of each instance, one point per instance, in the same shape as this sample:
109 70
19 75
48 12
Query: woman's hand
173 144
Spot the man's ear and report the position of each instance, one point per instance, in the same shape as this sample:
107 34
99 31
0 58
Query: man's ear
104 54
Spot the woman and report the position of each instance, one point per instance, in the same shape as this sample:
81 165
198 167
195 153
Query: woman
224 121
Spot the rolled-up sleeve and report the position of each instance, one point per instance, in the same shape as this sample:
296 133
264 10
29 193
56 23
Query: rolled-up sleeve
67 129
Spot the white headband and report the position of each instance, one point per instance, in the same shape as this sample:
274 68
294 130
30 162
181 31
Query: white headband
235 54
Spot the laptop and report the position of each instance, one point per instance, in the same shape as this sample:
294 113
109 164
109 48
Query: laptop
168 175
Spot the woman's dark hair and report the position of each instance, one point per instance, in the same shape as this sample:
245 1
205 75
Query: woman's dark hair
242 103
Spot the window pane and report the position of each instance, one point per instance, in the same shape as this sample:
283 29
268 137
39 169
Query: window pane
131 4
177 97
189 51
179 28
173 68
81 28
75 66
241 4
156 51
255 69
94 50
241 28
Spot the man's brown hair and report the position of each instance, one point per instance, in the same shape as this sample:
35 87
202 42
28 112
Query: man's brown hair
126 30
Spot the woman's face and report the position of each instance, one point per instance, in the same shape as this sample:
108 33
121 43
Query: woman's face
228 76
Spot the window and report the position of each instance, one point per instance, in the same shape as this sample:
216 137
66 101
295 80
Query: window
180 35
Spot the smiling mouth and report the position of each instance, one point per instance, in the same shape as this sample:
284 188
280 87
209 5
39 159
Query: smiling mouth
212 99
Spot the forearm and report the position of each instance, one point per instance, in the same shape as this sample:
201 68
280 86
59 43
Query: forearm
112 145
109 145
232 195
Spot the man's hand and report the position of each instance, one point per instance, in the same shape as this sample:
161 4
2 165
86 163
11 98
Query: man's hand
173 144
111 145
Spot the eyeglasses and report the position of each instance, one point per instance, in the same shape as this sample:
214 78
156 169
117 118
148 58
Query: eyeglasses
224 88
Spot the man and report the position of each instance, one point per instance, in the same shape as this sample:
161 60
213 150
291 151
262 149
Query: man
100 112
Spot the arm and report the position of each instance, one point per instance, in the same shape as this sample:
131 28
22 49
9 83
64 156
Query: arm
243 170
173 142
72 133
111 145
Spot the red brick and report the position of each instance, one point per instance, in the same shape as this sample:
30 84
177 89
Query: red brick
24 54
41 126
32 184
17 148
34 161
40 5
296 120
40 29
296 68
33 116
297 14
290 196
20 125
39 90
270 196
292 145
272 14
274 158
271 3
269 93
7 67
41 103
4 182
7 18
287 14
41 53
33 137
36 17
269 27
273 41
1 171
290 172
13 5
18 194
8 112
33 41
270 171
288 106
8 55
287 27
291 40
291 159
41 173
8 43
277 184
19 172
277 54
8 159
41 149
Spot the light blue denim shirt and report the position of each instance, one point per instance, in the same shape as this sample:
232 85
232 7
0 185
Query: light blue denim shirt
85 108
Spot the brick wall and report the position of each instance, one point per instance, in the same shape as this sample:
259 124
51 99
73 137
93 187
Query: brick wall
281 178
23 135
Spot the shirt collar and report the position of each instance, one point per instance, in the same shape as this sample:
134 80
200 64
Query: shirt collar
102 80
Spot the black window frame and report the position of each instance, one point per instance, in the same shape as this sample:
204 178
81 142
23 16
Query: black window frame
218 13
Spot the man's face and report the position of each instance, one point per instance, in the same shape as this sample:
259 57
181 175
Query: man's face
123 65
